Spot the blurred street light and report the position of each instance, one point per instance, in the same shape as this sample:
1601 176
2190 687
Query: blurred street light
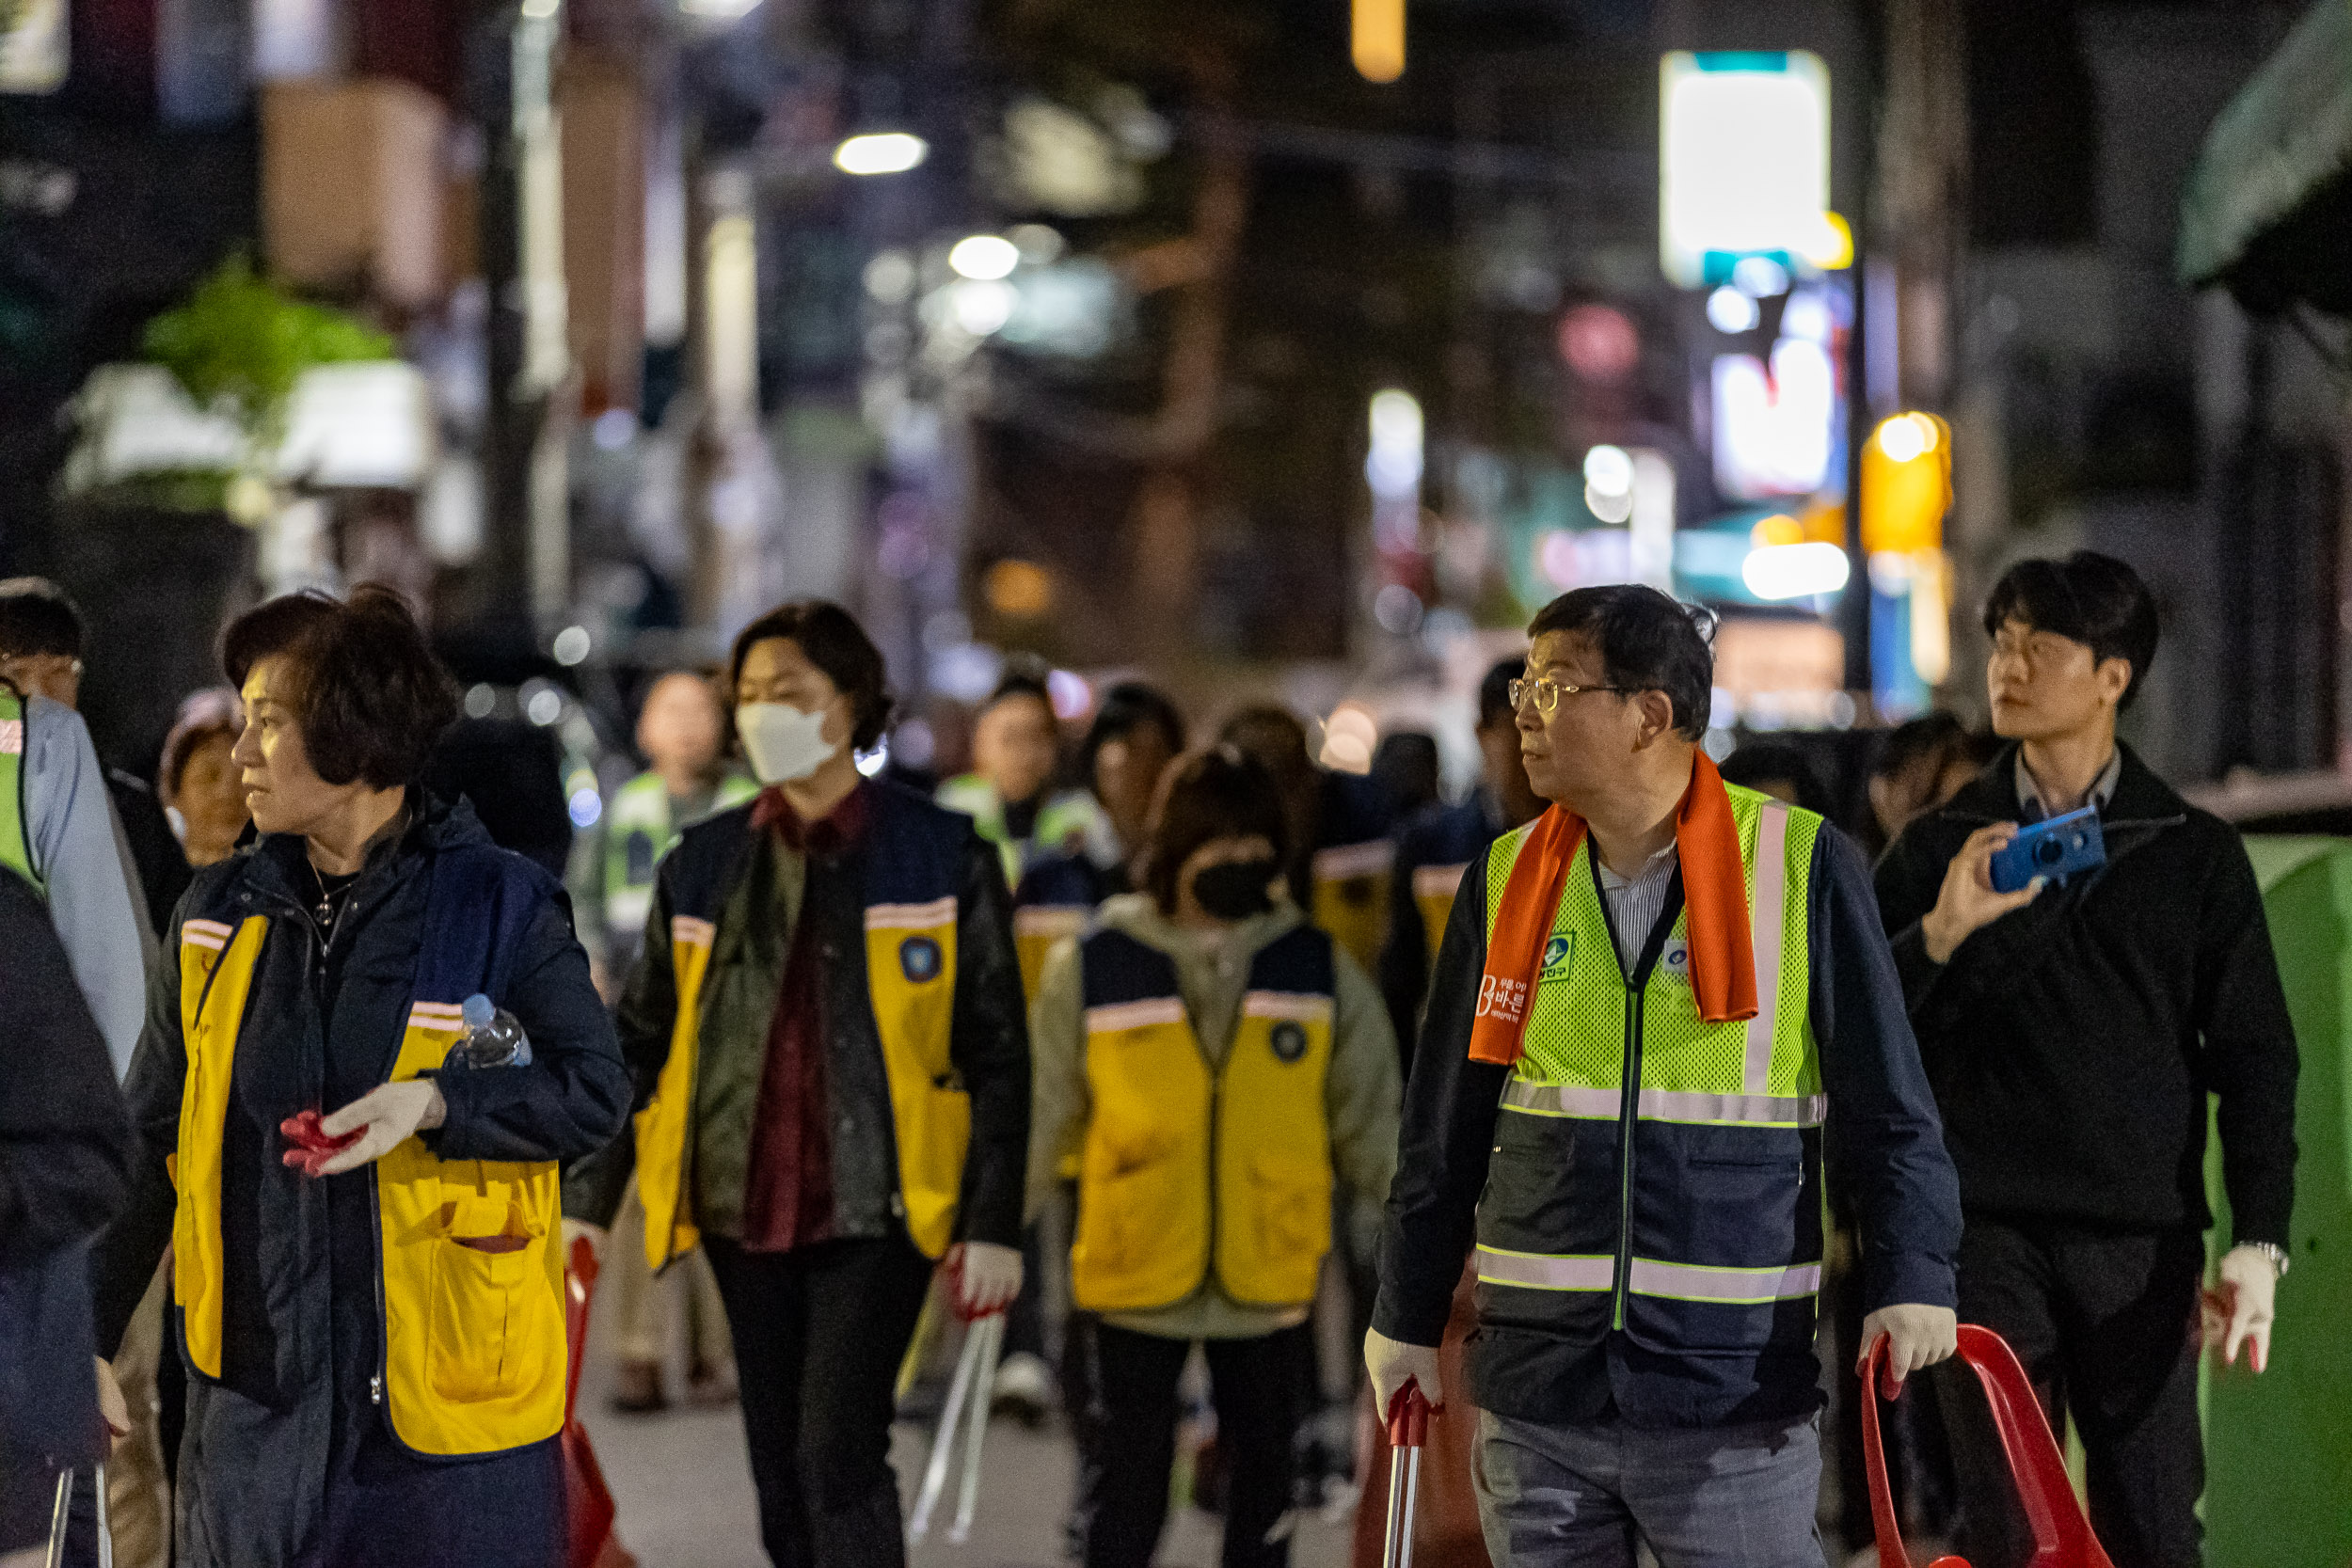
1794 571
1729 311
984 258
1376 40
881 153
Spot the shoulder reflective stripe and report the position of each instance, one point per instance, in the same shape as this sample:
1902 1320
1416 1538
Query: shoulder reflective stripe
1342 861
1646 1276
910 917
1533 1271
1438 881
1562 1100
1768 918
204 933
1303 1006
11 737
1741 1110
436 1015
692 932
1134 1015
1049 920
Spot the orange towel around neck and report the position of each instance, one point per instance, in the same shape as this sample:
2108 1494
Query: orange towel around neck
1714 893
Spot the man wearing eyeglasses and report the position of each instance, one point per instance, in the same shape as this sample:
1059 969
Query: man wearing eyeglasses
1648 1004
2074 1033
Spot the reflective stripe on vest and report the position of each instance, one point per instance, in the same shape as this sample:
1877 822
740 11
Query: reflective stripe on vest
16 845
911 984
1722 1223
1754 1110
1186 1169
473 1349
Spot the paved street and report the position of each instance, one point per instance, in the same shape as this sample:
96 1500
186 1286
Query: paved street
684 1493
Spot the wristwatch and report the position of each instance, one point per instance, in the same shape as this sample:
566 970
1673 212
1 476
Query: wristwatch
2272 1253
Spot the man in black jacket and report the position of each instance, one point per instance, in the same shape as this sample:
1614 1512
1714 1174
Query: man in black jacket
2071 1033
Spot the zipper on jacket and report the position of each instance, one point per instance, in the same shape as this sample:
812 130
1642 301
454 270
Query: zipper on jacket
1630 1094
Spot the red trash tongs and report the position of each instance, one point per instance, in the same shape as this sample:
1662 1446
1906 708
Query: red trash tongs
1408 1429
2061 1535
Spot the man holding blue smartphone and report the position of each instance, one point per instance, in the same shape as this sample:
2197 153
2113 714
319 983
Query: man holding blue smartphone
2071 1030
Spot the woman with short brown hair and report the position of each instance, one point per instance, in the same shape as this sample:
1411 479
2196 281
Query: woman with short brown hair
368 1301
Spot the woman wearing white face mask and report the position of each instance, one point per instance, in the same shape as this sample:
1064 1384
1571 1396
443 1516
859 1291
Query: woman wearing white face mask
832 1080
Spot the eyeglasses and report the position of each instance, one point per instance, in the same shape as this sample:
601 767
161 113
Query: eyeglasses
1549 693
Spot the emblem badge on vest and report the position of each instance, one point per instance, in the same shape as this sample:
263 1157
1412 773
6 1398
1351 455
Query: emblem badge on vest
919 957
1557 952
1289 1041
1675 962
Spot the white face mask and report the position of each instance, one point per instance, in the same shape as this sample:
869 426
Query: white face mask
783 743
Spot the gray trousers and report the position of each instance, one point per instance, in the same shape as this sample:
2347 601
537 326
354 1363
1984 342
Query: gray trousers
1738 1496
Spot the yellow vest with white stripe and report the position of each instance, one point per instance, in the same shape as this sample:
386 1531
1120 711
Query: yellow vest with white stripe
472 1270
1655 1173
914 862
1188 1167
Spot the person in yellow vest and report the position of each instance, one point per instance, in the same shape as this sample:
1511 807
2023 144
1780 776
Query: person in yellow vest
1340 827
681 733
1220 1065
832 1080
369 1302
1649 1004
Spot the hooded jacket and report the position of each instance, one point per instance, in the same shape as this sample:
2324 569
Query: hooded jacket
289 1457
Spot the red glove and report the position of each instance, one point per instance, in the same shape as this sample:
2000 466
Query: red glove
312 1146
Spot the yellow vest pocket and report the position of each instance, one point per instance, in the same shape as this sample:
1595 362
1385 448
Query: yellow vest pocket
492 1321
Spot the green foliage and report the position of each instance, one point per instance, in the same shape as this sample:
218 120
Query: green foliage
240 343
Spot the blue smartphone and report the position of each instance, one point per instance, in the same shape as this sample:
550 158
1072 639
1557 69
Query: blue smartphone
2056 849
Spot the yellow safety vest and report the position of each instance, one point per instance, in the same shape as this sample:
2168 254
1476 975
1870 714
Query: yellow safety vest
1187 1167
910 983
473 1340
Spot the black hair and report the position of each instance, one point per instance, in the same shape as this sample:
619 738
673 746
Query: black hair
1494 692
365 691
1218 792
1272 734
830 638
39 617
1761 762
2090 598
1939 735
1129 706
1647 642
1018 681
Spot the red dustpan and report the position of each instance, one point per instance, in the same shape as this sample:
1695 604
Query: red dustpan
588 1501
2061 1535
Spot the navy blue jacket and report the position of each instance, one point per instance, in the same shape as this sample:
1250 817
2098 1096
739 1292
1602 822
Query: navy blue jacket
65 1152
286 1460
1883 1148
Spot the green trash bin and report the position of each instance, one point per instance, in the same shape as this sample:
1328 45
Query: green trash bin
2279 1446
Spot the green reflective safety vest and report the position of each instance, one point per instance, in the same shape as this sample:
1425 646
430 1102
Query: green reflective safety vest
638 829
16 842
1653 1173
1068 822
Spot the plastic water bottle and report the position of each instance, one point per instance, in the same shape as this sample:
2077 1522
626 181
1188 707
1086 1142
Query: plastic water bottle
493 1036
